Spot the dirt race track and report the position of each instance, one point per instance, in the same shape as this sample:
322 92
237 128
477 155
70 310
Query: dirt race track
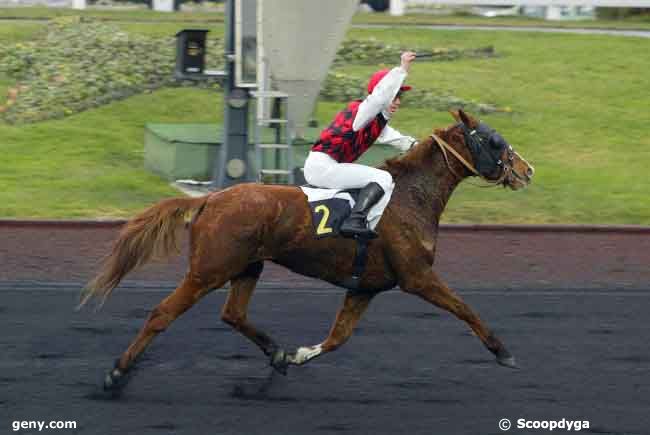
409 368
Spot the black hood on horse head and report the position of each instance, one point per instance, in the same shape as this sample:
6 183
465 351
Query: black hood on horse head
486 147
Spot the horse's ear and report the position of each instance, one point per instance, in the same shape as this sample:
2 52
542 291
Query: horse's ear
467 119
455 115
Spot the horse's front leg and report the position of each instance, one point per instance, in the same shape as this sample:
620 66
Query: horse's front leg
430 288
346 319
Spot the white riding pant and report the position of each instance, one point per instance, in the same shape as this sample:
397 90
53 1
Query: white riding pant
321 170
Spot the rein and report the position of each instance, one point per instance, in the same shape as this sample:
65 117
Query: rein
444 147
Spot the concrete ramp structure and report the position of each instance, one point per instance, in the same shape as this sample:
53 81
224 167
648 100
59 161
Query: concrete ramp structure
279 52
297 43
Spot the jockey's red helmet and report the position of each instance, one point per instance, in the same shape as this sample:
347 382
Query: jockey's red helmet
376 77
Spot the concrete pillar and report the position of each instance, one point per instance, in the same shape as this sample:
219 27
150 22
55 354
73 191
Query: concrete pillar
397 7
163 5
299 44
553 13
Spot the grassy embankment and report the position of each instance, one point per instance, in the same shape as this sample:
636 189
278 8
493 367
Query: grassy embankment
579 115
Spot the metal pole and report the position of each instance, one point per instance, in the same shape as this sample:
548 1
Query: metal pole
277 113
232 166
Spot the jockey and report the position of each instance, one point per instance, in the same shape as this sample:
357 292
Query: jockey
353 131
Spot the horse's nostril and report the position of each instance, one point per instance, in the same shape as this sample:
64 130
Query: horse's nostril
530 172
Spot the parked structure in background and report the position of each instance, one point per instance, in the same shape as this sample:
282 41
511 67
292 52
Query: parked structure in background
158 5
76 4
548 9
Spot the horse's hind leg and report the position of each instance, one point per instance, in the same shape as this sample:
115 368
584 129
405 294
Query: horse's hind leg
235 310
186 295
354 306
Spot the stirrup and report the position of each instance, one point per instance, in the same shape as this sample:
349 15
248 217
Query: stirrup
359 266
351 231
363 234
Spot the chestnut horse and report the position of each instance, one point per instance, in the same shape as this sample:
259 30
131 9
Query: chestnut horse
232 233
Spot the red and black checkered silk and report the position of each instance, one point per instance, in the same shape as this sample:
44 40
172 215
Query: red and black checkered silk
344 144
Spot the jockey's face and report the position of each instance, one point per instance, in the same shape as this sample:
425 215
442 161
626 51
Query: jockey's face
394 105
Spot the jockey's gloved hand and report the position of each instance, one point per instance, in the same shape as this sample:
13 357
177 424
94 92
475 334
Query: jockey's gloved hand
406 59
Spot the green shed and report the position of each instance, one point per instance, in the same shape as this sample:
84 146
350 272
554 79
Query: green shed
178 151
190 151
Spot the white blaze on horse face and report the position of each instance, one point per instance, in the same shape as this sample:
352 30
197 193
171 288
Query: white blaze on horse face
304 354
523 172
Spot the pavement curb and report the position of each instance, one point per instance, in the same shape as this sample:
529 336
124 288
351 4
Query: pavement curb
516 228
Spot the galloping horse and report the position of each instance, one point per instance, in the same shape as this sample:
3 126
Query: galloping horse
232 233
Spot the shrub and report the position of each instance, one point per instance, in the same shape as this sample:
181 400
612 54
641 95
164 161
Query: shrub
81 64
342 87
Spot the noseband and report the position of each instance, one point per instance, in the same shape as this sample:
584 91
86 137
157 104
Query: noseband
506 166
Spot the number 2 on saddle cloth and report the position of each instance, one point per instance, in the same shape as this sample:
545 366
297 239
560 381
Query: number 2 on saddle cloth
327 217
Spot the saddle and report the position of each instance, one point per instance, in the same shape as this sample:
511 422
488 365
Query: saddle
329 208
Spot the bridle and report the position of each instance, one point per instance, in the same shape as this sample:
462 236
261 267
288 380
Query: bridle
504 162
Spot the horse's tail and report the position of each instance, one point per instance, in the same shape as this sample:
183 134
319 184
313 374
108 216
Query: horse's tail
150 234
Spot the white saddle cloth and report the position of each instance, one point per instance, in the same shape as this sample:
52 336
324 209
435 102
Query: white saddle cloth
320 194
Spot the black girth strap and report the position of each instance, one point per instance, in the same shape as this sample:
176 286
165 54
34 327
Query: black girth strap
359 266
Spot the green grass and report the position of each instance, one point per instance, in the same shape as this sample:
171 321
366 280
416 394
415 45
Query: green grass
91 164
10 33
171 28
579 116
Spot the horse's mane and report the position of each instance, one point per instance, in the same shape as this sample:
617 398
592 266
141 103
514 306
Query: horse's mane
421 153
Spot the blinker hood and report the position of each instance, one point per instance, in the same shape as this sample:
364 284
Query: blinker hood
486 152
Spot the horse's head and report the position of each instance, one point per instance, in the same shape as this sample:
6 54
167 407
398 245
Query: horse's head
493 158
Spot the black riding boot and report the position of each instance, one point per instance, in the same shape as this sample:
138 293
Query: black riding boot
356 225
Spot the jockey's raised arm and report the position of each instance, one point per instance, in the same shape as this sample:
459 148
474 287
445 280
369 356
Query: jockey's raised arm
382 90
379 98
379 101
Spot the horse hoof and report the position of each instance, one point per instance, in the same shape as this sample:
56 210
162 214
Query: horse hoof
279 361
508 361
112 380
115 379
